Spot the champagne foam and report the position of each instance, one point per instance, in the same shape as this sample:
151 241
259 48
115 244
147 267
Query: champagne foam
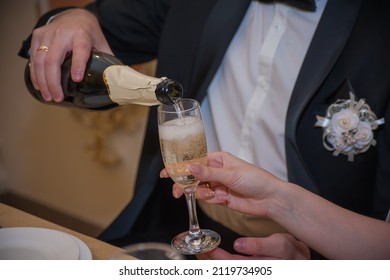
181 128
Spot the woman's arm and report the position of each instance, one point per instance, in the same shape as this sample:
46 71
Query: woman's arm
334 232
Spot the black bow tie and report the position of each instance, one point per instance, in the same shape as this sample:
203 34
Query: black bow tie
306 5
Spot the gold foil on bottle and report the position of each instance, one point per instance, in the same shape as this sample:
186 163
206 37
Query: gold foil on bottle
128 86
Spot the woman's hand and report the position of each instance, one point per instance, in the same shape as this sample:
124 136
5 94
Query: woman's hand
282 246
243 187
233 183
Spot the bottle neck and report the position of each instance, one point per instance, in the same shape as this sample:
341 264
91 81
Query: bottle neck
127 86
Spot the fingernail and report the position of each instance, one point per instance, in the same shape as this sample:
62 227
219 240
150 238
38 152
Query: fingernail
47 97
58 98
175 193
78 76
209 194
221 197
194 168
239 245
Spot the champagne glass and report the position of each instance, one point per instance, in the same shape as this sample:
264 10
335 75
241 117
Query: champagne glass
183 142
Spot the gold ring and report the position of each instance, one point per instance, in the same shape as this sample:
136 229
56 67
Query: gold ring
43 48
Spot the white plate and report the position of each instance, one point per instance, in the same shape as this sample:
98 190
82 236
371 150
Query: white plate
85 253
28 243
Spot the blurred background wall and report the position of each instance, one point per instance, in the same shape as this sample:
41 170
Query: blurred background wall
75 163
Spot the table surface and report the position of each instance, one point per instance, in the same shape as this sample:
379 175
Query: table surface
12 217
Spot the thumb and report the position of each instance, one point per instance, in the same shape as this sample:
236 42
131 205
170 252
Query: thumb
207 174
250 246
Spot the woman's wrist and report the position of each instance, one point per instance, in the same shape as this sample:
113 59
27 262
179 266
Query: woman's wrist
280 201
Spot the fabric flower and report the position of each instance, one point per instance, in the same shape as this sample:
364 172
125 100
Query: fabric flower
348 127
345 120
364 135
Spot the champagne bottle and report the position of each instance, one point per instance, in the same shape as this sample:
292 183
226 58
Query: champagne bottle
109 83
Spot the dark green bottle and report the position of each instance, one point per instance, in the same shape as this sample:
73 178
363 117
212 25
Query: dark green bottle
109 83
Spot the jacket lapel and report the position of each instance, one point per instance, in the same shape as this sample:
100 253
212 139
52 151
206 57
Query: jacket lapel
328 42
219 30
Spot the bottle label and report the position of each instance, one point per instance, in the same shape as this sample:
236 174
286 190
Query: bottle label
127 86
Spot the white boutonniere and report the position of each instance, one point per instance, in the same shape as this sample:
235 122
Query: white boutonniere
348 127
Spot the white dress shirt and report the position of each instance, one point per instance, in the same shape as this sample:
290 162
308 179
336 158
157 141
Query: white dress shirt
246 106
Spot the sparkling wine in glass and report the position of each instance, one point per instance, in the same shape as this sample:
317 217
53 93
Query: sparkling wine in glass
183 142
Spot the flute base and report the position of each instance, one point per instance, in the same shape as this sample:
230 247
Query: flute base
187 245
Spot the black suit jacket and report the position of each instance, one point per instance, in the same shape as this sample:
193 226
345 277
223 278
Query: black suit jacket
350 48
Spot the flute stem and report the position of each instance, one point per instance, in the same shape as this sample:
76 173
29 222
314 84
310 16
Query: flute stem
195 234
